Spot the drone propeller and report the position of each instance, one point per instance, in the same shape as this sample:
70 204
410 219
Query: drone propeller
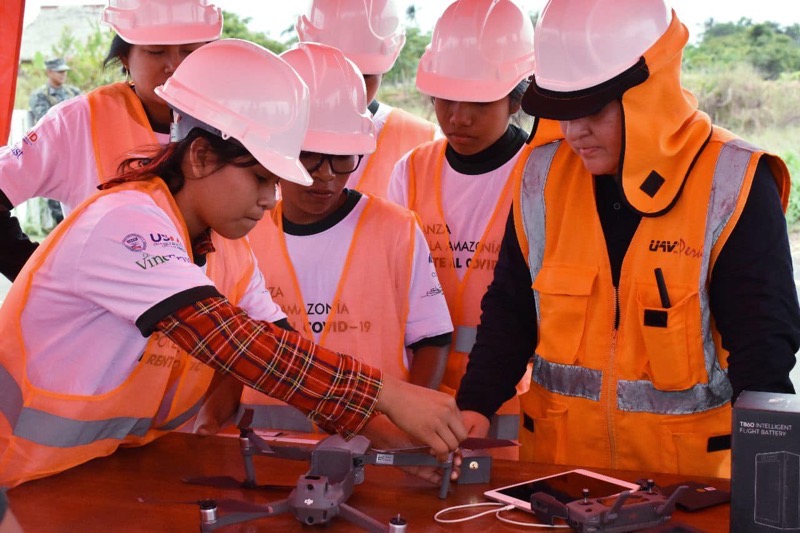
229 482
471 443
475 443
226 505
254 444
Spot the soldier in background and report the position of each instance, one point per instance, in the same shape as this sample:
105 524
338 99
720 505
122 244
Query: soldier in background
54 91
45 97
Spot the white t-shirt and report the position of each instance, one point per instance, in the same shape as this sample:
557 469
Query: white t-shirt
468 202
56 158
318 261
122 256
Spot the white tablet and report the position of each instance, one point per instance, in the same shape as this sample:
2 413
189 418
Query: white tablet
565 487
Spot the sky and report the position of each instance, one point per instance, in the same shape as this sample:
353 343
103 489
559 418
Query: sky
274 16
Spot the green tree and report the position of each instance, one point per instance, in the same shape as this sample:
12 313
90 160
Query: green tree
772 50
237 27
405 68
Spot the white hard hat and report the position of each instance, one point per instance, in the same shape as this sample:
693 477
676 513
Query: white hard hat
164 21
480 51
340 123
248 93
589 52
369 32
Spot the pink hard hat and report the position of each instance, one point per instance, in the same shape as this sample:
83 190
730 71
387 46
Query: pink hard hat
239 89
369 32
589 52
164 22
340 123
480 51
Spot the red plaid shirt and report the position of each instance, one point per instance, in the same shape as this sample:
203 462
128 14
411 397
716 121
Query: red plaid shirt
337 391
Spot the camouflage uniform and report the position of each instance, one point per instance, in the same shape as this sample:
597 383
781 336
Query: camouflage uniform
47 96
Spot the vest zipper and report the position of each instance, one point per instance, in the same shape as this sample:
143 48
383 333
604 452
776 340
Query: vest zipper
609 382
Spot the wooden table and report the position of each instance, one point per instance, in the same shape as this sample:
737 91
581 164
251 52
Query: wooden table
140 489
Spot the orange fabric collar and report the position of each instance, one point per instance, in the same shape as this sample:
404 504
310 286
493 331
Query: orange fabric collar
664 132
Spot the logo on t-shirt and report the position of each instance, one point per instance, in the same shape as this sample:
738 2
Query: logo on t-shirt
134 242
167 241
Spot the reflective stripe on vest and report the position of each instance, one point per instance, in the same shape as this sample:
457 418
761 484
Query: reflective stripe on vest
465 338
638 395
60 432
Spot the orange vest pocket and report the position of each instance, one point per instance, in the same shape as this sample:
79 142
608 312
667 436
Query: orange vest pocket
674 350
685 444
543 430
562 294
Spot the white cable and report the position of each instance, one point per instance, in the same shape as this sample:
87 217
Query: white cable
496 512
470 517
525 524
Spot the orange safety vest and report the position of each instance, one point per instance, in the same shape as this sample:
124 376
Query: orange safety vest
401 132
463 296
648 394
368 314
42 432
119 125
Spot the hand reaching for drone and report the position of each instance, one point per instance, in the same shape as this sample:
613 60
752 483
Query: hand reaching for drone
384 435
428 416
477 425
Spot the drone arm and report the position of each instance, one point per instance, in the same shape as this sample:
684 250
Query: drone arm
247 447
402 459
414 459
276 508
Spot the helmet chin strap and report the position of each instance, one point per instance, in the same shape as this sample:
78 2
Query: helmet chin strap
182 124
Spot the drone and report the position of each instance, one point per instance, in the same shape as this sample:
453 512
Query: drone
321 494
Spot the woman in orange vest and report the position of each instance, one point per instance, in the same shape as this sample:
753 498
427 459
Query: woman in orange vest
461 185
648 271
351 271
80 143
371 34
86 328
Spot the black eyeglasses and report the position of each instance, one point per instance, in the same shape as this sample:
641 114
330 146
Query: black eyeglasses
339 164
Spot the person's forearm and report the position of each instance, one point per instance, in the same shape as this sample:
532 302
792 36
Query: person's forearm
338 392
428 366
15 245
506 335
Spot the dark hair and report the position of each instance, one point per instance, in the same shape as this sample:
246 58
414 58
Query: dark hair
515 96
515 100
119 48
166 164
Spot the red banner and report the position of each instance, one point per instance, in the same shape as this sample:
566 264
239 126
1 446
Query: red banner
11 13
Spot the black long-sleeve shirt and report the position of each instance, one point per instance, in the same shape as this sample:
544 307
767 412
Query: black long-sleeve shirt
15 246
753 300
